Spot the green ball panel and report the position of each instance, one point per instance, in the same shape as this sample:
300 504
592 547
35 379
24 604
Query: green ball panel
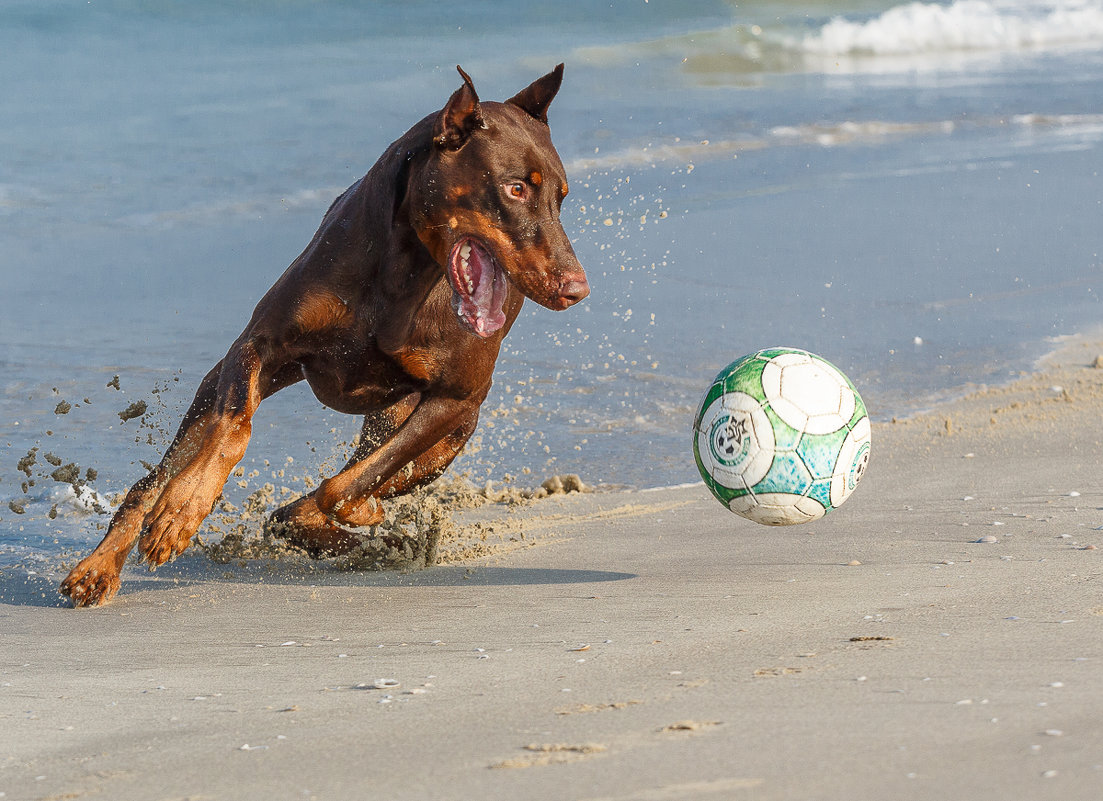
770 353
732 368
820 452
746 378
821 491
787 474
859 412
715 391
722 493
786 438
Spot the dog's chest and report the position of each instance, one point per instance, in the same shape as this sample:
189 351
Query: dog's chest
358 381
418 363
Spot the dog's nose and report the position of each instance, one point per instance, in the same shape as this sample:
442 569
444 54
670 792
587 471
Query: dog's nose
574 290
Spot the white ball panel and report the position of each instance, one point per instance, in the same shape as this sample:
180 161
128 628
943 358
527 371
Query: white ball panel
777 508
820 392
736 441
852 461
772 387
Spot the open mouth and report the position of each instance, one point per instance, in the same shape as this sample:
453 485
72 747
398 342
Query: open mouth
478 287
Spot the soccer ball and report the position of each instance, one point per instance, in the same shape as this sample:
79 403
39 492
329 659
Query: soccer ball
781 437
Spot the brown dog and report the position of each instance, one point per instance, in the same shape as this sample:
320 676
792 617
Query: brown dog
396 310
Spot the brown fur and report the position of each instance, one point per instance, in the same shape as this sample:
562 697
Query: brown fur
365 316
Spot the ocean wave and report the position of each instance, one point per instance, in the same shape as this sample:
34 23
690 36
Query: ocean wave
910 37
965 25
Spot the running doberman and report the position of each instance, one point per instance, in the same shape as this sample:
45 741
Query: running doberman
396 311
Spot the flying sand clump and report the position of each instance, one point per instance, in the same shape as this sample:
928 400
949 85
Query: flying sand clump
418 530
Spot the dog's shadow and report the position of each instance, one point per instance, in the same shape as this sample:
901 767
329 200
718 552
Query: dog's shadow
196 568
19 588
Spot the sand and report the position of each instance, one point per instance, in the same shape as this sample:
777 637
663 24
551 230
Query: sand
940 636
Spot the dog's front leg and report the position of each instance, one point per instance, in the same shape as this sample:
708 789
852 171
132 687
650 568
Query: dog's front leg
418 451
95 580
190 494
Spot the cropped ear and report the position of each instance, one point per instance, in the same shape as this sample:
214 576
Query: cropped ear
537 96
460 116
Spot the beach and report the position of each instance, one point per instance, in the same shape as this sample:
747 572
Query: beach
940 635
909 190
919 207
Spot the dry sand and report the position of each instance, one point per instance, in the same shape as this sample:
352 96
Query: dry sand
631 646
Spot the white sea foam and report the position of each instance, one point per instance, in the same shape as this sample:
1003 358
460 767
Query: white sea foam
69 499
965 25
963 35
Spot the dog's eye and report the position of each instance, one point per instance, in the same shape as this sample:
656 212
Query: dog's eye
517 190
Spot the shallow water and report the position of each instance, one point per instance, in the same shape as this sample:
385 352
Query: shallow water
910 190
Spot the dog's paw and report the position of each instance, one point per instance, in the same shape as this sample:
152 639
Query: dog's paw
91 582
170 525
162 542
358 514
338 504
303 524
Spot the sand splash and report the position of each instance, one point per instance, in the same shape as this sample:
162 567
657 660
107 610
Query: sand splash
418 530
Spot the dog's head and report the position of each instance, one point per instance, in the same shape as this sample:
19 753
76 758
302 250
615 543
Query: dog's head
486 205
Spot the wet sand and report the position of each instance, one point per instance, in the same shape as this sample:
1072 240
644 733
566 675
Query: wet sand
940 636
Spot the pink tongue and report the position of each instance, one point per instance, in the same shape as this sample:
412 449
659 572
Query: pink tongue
482 308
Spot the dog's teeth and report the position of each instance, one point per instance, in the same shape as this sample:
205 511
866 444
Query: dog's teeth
464 256
465 253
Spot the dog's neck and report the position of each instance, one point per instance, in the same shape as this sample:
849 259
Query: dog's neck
401 287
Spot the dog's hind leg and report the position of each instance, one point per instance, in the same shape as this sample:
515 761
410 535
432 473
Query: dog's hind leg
424 445
429 466
302 522
306 525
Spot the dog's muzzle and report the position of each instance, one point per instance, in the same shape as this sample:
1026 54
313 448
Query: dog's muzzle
478 287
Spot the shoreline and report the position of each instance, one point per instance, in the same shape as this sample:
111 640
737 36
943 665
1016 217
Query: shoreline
945 625
463 498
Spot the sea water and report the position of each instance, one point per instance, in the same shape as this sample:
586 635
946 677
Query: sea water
910 189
